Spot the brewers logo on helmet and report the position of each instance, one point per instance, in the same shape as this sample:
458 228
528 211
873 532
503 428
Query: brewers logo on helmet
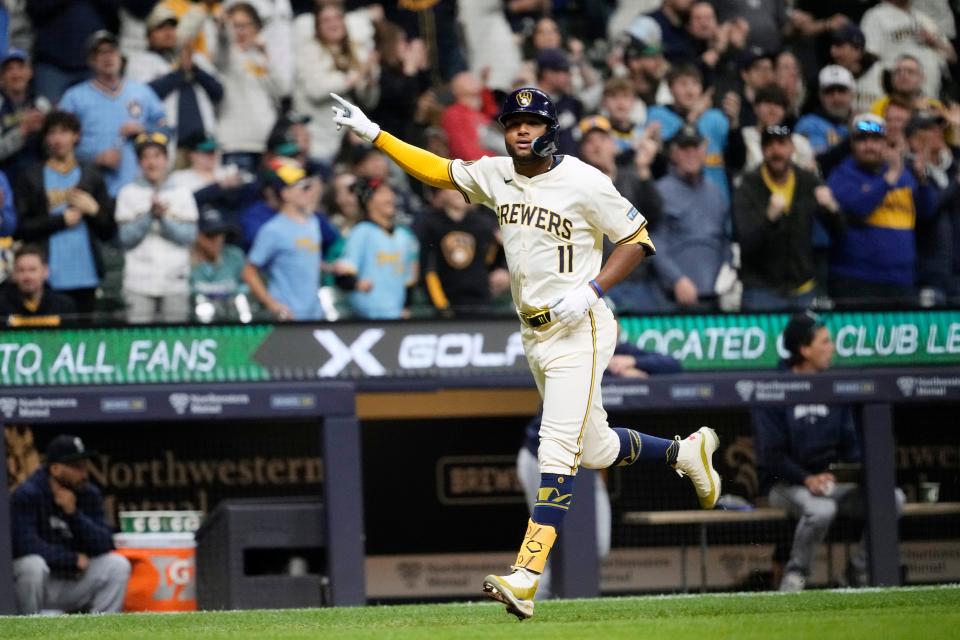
535 102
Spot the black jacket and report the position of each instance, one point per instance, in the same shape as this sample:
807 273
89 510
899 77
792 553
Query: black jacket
51 303
33 210
456 258
41 527
778 255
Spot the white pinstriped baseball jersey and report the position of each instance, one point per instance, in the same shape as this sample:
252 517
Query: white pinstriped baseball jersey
552 224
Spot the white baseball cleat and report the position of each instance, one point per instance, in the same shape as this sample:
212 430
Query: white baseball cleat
516 591
695 460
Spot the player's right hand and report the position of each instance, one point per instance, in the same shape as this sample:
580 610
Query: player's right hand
350 115
571 308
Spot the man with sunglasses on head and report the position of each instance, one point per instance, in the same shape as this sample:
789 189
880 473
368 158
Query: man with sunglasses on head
774 210
157 226
875 263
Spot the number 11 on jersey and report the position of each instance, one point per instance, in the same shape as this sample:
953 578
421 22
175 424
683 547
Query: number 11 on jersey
565 255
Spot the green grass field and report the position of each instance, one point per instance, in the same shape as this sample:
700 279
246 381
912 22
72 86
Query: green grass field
927 613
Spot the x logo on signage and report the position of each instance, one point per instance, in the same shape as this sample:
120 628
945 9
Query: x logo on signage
342 355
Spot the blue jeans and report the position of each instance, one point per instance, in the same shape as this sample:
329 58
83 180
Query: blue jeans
51 82
761 299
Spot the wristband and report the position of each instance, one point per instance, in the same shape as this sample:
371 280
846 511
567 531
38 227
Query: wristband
597 288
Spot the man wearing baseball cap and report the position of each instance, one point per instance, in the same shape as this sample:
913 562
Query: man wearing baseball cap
800 450
554 78
216 268
60 44
21 114
847 49
774 209
695 219
827 130
112 112
380 257
876 259
184 80
827 126
61 541
639 291
756 71
643 57
287 248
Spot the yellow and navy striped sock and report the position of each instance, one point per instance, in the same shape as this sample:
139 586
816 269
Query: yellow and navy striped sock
553 499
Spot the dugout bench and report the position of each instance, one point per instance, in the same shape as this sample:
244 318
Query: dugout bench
576 574
875 390
703 519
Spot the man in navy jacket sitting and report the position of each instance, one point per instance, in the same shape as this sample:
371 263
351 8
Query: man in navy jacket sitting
797 447
61 542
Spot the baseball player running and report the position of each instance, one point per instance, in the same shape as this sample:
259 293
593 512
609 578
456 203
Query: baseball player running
553 211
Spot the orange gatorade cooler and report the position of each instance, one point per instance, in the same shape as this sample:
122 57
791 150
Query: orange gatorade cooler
161 555
162 579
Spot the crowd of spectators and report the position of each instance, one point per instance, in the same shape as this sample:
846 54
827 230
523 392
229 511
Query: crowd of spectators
174 160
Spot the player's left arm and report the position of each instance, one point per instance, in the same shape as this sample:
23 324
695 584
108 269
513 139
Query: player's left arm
620 263
569 309
616 217
612 214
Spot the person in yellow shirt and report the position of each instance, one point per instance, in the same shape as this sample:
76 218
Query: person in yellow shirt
774 210
906 85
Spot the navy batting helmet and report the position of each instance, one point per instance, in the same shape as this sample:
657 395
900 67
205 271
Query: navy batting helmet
535 102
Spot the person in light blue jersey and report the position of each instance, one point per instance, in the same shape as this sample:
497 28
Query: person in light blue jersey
112 112
380 259
64 207
827 126
691 106
287 248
